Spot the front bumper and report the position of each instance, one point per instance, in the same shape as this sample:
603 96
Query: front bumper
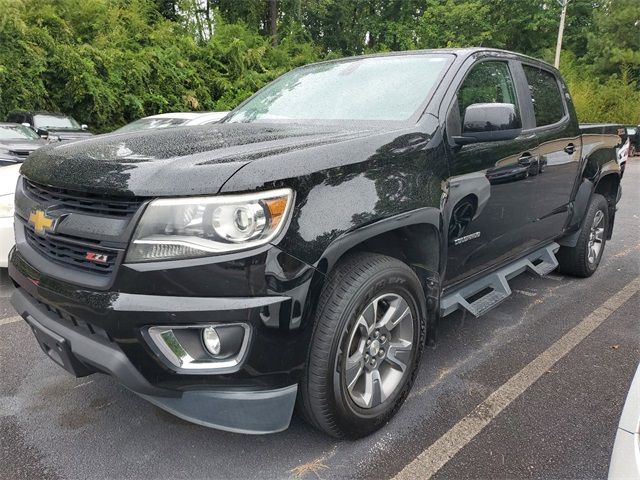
263 411
87 330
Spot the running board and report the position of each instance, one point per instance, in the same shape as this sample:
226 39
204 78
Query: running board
496 284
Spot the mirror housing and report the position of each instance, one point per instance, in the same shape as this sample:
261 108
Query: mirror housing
489 122
84 126
26 124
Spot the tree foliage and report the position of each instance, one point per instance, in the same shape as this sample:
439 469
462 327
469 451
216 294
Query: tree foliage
108 62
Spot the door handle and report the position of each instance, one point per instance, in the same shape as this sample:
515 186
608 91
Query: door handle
570 149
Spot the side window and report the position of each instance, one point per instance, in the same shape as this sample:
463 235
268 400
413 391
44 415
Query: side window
488 82
548 106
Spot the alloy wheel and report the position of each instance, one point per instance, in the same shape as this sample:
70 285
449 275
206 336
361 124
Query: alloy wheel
596 236
379 350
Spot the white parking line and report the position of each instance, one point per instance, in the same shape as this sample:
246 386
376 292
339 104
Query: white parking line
442 450
5 321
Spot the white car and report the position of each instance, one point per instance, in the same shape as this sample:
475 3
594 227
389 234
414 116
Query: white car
168 120
8 179
625 459
623 154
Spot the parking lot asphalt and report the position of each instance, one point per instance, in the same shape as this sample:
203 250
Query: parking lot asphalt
562 425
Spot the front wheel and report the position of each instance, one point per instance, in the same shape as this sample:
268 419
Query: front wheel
583 259
366 346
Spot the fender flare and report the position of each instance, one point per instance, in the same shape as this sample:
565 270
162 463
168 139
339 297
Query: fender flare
429 273
581 203
337 248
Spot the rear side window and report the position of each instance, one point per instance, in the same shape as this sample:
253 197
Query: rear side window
548 106
488 82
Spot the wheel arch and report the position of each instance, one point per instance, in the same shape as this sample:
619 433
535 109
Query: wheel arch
608 185
414 238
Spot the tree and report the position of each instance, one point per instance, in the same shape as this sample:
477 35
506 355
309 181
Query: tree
108 62
453 23
614 43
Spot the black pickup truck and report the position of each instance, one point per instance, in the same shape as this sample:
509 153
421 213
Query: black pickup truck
303 250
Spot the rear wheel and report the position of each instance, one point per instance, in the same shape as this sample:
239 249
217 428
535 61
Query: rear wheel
583 259
366 345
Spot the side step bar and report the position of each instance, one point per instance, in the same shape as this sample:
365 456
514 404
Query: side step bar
495 286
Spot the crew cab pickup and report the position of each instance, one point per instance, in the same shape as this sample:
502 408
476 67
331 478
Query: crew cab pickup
302 251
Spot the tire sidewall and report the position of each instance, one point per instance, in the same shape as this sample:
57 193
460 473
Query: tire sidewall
599 205
351 417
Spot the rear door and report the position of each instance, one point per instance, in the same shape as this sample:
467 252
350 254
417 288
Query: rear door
559 148
491 204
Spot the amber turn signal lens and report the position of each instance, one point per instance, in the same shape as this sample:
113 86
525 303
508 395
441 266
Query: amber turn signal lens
276 207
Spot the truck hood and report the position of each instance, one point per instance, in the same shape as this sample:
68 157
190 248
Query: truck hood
176 161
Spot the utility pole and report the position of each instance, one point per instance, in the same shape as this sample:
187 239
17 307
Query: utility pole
273 21
563 16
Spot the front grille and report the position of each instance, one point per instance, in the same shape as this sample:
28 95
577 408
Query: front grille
70 253
82 202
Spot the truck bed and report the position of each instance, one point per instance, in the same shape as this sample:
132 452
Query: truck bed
603 128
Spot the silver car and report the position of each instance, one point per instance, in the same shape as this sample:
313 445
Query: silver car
625 460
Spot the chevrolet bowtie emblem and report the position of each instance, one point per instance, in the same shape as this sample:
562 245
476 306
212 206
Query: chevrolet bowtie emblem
41 222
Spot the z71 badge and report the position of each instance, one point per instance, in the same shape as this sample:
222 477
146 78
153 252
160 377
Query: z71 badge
100 258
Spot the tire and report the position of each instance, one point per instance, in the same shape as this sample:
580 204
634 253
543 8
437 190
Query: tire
581 260
342 328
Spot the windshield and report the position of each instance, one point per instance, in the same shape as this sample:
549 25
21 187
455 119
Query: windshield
149 123
54 121
378 88
17 132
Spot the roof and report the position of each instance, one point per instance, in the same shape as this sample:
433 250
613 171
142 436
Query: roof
193 118
461 52
185 115
208 117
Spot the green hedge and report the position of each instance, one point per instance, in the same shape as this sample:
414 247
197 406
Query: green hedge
108 63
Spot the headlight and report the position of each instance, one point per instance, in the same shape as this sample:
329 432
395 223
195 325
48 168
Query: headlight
6 206
201 226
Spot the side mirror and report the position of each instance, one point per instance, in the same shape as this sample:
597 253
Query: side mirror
84 126
26 124
489 122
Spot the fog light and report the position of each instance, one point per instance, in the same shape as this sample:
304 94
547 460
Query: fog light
217 348
211 340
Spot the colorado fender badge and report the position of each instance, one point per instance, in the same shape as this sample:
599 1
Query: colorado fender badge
466 238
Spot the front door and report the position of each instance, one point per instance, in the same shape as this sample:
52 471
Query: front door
491 204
